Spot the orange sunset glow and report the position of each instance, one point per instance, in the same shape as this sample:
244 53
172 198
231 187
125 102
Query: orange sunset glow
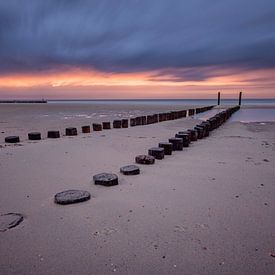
139 85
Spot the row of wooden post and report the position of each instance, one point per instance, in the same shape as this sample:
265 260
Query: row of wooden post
240 98
184 138
123 123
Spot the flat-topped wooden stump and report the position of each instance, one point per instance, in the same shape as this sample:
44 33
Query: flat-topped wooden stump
53 134
71 196
117 124
106 125
138 120
124 123
34 136
130 170
97 127
193 134
132 122
200 131
177 144
145 159
12 139
185 139
71 131
10 220
143 120
86 129
156 152
167 146
106 179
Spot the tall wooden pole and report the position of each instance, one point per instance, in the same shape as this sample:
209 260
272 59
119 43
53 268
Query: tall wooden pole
240 99
219 98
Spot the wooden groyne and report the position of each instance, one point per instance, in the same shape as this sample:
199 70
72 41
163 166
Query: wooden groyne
117 124
184 138
181 139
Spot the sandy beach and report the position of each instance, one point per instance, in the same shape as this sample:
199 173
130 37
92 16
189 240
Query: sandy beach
208 209
19 119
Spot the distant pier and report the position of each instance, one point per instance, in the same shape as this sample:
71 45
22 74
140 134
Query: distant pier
24 101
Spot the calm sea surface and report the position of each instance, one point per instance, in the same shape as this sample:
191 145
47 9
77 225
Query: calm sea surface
245 102
251 113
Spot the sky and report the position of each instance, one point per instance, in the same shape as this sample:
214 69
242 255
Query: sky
137 48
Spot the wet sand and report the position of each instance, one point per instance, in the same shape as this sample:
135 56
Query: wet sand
205 210
19 119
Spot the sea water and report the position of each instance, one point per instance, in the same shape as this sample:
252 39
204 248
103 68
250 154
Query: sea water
172 102
251 110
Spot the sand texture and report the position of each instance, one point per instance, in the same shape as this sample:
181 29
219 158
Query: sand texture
208 209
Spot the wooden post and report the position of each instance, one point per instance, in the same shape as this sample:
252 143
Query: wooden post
240 99
34 136
97 127
106 125
124 123
71 131
156 152
12 139
219 98
53 134
117 124
86 129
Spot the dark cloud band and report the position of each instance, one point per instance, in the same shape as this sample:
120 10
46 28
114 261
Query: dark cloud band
134 36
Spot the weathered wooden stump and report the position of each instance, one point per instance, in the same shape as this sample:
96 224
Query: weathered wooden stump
53 134
156 152
143 120
150 119
204 128
34 136
207 124
210 128
145 159
162 117
71 196
185 133
130 170
200 132
138 121
106 125
183 113
198 110
167 146
12 139
214 122
71 131
117 124
156 118
132 122
191 112
193 134
106 179
185 139
86 129
124 123
177 144
10 220
97 127
172 115
168 116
